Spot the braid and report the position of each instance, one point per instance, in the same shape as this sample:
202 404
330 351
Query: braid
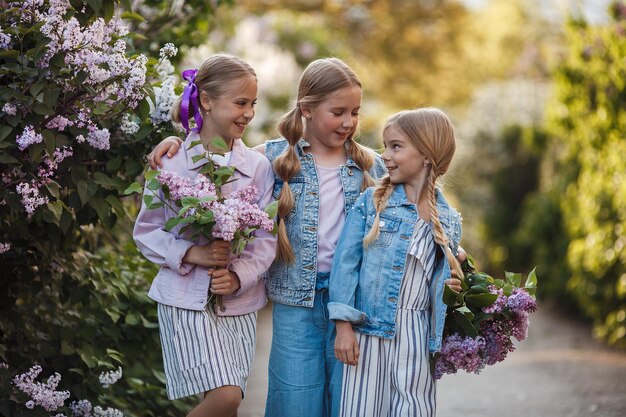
286 165
381 198
440 237
363 159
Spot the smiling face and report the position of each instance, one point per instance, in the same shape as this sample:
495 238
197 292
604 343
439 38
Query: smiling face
228 115
333 120
404 162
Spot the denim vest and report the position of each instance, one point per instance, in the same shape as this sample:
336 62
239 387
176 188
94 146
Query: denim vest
294 284
365 283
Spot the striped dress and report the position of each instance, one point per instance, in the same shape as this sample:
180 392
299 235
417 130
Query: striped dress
202 351
393 377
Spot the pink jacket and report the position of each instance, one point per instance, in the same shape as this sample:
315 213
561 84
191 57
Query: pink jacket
186 285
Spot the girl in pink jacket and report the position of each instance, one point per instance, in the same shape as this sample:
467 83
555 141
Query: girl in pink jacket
201 352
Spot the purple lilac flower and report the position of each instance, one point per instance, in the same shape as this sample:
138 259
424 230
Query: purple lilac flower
31 197
5 40
4 247
81 408
50 164
128 126
458 352
165 97
43 394
520 301
169 50
59 123
109 378
99 138
497 341
500 302
519 325
109 412
9 108
28 137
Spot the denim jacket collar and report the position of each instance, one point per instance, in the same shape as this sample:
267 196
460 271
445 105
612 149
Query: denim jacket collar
238 158
302 143
399 198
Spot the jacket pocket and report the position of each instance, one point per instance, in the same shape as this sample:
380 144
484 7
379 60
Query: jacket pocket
387 226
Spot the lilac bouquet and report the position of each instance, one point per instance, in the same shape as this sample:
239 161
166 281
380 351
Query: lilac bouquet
201 208
483 318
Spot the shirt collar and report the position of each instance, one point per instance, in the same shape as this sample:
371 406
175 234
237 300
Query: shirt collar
238 159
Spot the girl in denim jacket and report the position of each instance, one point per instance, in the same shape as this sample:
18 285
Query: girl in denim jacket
393 258
319 173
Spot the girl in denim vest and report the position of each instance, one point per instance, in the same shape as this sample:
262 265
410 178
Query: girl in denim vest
393 258
319 171
201 352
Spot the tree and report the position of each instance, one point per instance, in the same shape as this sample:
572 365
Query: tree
588 121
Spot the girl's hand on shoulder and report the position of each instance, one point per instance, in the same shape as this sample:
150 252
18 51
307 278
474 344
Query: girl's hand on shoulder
346 345
216 253
224 282
168 146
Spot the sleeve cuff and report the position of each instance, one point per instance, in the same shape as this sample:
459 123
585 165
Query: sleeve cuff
339 311
175 254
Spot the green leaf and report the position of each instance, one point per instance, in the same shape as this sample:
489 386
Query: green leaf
5 158
90 361
481 300
513 278
143 109
133 16
172 223
197 158
133 188
465 324
450 297
206 218
189 201
5 131
219 143
194 144
531 280
83 191
151 174
37 87
272 209
56 207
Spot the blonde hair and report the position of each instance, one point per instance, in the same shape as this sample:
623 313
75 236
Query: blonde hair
432 133
320 78
213 77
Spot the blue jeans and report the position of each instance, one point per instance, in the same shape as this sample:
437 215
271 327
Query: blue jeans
304 375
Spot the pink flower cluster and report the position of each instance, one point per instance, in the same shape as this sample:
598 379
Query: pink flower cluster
42 394
508 318
27 138
31 197
235 215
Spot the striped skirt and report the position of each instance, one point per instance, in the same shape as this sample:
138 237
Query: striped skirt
202 352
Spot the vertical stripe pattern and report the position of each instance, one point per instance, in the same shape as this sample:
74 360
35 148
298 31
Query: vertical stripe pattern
393 377
202 351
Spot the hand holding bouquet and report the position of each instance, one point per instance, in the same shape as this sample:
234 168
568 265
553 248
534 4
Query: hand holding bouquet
201 210
483 318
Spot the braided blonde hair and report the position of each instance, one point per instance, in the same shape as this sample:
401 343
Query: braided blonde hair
320 78
432 133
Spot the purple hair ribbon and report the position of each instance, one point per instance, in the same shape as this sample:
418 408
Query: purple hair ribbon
190 96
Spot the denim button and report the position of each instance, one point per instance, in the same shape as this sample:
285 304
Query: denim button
382 224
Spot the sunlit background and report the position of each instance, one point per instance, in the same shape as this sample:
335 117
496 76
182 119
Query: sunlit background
521 81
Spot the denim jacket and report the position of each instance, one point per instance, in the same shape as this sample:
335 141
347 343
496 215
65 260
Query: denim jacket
365 282
294 284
